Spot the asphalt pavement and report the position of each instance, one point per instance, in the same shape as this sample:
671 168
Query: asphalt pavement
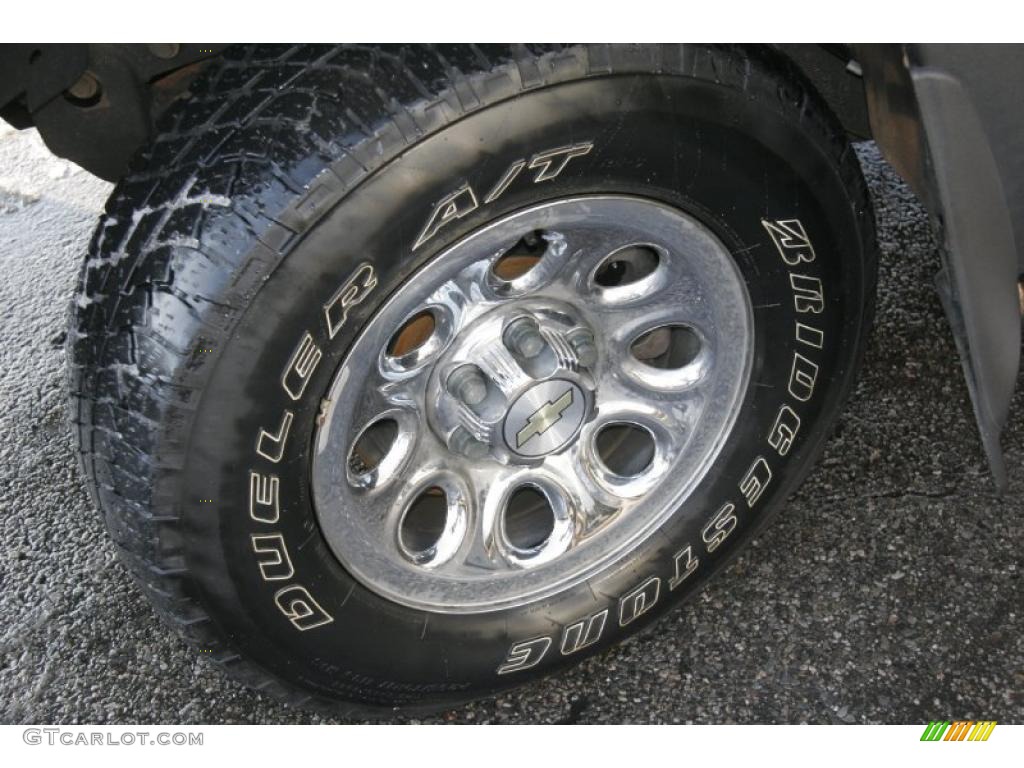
889 590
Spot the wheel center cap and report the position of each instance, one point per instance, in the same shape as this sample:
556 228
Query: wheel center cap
545 418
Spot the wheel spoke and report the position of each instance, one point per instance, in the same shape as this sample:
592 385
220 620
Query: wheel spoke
592 505
522 265
382 399
624 398
426 517
588 250
521 518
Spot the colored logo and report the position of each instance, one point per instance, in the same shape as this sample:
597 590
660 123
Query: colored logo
961 730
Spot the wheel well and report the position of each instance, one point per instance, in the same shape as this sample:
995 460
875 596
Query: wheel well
96 104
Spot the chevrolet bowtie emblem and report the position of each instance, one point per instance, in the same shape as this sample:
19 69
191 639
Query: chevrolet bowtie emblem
544 418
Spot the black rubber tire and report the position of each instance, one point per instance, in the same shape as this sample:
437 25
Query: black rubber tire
285 169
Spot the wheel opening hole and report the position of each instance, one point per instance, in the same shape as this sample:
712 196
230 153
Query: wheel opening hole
372 445
626 266
521 257
669 347
414 333
529 518
625 449
424 521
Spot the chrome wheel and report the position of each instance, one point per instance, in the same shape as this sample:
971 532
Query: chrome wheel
532 404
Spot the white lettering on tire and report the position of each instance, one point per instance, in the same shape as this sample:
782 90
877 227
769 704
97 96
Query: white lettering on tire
790 240
719 527
549 164
272 556
639 601
525 655
300 608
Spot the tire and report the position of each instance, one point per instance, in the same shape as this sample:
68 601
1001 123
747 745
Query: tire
294 193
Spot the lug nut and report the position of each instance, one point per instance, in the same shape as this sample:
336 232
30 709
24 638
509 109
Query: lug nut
522 336
463 442
582 342
468 384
